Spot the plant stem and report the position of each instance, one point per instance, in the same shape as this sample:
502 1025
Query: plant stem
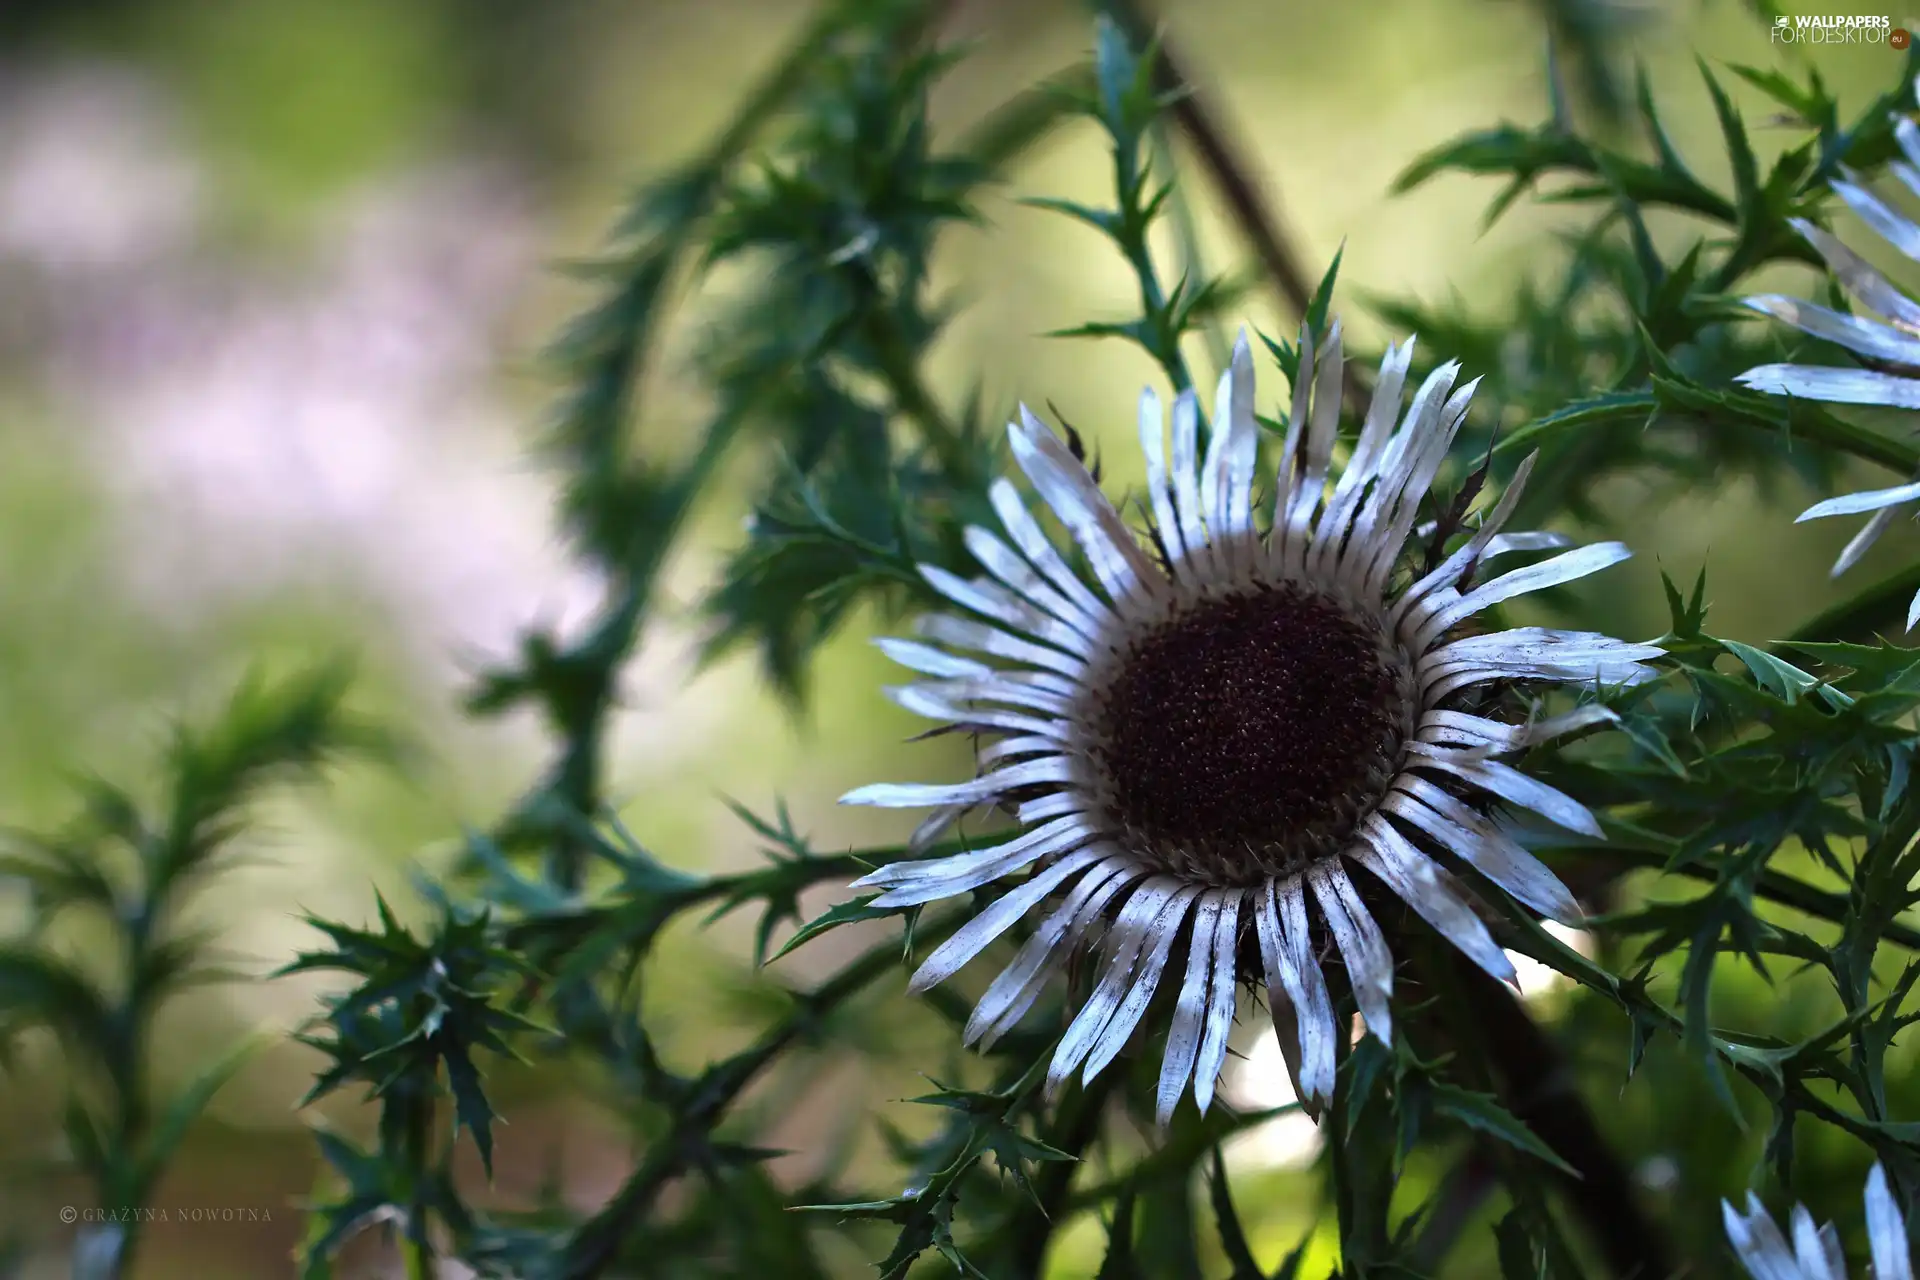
1775 885
1538 1086
1857 618
596 1243
1076 1127
1252 212
419 1251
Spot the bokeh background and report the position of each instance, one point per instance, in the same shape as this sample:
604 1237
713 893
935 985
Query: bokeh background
272 277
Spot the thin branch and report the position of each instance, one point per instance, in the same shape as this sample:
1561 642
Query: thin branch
1250 208
1777 886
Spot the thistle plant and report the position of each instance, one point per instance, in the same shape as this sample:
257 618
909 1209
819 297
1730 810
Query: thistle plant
1358 703
124 871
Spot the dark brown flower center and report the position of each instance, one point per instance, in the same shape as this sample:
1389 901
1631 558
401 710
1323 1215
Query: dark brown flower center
1246 736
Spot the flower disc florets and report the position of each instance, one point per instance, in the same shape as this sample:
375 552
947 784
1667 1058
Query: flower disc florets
1247 734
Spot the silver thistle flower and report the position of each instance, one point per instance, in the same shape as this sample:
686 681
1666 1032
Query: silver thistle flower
1895 344
1207 743
1815 1254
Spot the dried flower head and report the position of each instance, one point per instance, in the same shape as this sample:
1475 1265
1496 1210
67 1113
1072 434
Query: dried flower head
1204 744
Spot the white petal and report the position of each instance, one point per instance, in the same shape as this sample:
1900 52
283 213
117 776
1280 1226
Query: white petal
1886 1230
1033 690
1017 748
922 701
1864 337
937 823
1369 452
1128 934
1362 946
1006 564
1033 544
1234 414
1759 1244
1431 892
1538 652
1153 446
1013 992
1186 479
1908 175
963 876
1529 540
1028 845
1565 567
1891 227
924 795
1502 543
1286 476
1112 551
1053 806
1425 452
930 661
1908 136
1832 386
1293 976
1816 1251
965 633
1213 1045
1511 785
1449 571
1860 278
1322 427
1475 840
1213 468
991 600
1862 541
1851 504
1457 728
1140 988
1189 1010
973 937
1441 681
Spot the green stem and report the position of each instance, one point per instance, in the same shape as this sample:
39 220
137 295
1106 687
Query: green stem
418 1249
1532 1077
1858 617
122 1187
1775 885
1076 1126
1177 1157
596 1243
1811 423
1626 409
1251 211
1821 426
1186 234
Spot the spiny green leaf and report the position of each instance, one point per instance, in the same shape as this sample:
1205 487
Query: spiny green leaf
1483 1112
1782 678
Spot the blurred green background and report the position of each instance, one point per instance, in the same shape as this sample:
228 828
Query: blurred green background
272 274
